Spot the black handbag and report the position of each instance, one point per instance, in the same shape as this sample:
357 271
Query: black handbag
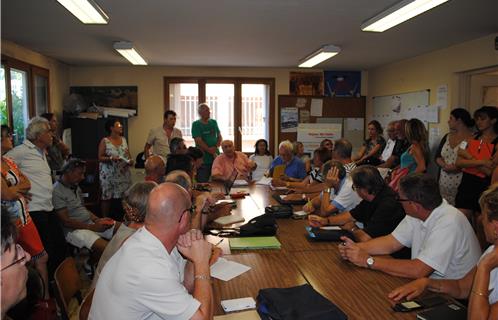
263 225
296 303
279 211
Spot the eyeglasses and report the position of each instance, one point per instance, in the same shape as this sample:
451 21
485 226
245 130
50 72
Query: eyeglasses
191 210
20 255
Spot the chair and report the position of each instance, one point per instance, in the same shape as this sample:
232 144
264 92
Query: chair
68 283
86 305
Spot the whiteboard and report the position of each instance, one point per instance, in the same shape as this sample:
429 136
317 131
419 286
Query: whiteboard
401 106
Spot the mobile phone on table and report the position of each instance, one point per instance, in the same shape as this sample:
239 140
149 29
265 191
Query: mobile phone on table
421 303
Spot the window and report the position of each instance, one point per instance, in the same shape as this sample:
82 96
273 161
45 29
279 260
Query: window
24 93
19 98
241 106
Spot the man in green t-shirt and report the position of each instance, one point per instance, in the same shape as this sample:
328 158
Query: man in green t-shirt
208 138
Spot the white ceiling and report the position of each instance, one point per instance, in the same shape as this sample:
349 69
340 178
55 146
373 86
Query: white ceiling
242 33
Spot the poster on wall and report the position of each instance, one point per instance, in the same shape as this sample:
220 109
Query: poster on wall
306 83
342 83
120 97
289 119
311 134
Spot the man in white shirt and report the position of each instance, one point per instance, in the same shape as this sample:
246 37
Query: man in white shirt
443 243
31 159
147 278
159 138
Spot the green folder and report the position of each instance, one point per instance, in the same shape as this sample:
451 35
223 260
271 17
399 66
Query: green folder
254 243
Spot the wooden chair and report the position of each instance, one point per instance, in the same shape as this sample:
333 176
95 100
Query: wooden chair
86 305
68 283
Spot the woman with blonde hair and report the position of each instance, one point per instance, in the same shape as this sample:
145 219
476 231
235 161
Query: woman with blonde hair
416 157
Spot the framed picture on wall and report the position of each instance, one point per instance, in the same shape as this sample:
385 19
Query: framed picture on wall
306 83
342 83
121 97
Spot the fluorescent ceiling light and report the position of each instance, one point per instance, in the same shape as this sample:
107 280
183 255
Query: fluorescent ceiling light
322 54
86 10
126 50
399 13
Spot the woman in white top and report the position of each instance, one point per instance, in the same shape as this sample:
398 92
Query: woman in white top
460 124
480 285
263 159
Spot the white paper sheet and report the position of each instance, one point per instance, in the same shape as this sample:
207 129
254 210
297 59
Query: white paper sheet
273 188
240 183
300 213
226 270
316 107
442 96
229 219
264 181
337 228
354 124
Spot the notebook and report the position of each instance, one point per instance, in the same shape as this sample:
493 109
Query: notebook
278 171
254 243
449 310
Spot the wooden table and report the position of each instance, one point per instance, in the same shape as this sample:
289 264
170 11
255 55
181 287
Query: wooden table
359 292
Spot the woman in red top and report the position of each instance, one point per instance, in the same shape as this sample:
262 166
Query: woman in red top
477 160
15 187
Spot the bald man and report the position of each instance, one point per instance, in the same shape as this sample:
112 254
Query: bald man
224 164
155 167
147 277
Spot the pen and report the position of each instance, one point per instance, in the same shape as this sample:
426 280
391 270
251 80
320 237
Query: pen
219 242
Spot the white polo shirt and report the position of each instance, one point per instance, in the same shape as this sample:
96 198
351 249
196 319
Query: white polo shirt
159 140
493 279
33 164
143 281
445 241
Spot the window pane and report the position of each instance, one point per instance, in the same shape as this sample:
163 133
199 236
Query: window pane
3 101
255 107
41 94
219 96
19 92
183 99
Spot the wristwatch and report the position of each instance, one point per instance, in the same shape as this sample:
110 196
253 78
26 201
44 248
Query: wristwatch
328 190
370 262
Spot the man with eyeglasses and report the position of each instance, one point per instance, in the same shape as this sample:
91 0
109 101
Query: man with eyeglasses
443 243
13 259
378 213
148 277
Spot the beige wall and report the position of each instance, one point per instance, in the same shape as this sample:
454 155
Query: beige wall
150 88
477 84
430 70
59 72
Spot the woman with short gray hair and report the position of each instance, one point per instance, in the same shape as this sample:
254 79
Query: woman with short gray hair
135 206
